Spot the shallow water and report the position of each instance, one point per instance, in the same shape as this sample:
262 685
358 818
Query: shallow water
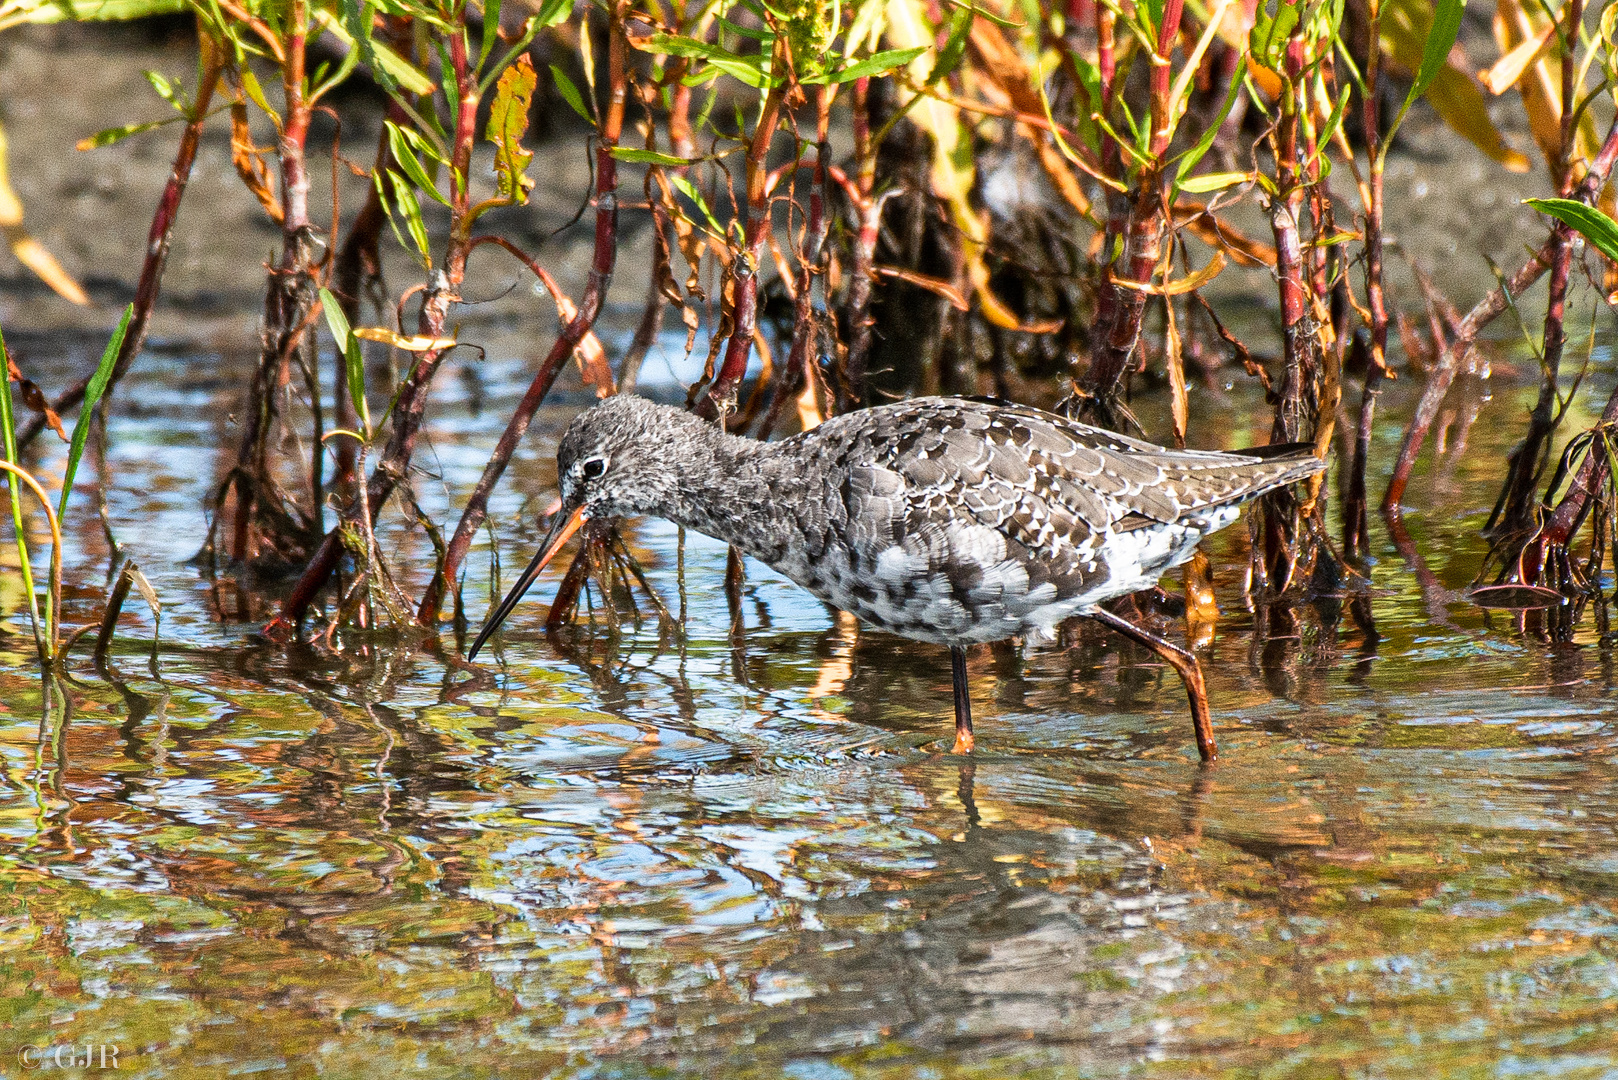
632 854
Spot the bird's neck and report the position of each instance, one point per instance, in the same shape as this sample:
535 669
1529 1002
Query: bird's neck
733 489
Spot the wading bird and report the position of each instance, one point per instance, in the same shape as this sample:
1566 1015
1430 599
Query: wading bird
950 520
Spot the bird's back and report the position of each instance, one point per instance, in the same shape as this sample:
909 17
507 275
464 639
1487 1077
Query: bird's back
958 520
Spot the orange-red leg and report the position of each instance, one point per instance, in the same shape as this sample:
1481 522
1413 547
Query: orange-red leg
1183 662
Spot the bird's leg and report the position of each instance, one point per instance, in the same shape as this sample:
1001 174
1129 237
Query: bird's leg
963 701
1183 662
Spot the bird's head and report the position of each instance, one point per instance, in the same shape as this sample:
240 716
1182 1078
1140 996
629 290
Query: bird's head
621 457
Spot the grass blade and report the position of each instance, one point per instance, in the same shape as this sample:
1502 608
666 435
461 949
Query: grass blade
8 431
92 397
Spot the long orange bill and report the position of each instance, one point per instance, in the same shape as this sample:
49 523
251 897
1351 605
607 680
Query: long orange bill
560 534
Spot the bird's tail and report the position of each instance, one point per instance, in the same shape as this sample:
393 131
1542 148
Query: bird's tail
1271 467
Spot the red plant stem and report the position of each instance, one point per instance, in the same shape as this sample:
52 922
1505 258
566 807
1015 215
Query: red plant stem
1575 503
1297 354
1515 511
442 292
1356 524
158 238
1162 76
1122 309
287 291
1443 373
720 398
858 303
595 293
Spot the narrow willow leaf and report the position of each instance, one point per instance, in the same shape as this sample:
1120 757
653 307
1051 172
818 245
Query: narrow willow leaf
92 398
388 65
409 208
651 157
1440 40
1195 155
353 361
570 93
689 190
879 64
1201 185
405 155
117 134
949 57
256 92
52 11
491 30
554 11
1599 229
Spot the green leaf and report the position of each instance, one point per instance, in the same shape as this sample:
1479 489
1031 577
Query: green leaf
256 93
876 64
650 157
53 11
949 57
554 11
491 30
405 155
1440 40
689 190
1200 185
1269 34
1599 229
112 135
508 123
166 89
387 65
1195 155
407 207
353 359
570 93
92 397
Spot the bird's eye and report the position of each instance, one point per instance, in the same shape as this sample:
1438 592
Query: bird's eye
594 468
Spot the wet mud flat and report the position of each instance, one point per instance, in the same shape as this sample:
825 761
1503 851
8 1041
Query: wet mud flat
621 852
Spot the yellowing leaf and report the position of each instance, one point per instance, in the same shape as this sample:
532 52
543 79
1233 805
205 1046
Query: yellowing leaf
399 341
1454 96
508 123
1510 67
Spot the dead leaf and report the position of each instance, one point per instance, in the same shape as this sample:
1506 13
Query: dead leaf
1177 288
249 161
33 397
937 286
30 252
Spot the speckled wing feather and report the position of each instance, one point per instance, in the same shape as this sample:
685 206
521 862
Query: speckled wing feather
1056 488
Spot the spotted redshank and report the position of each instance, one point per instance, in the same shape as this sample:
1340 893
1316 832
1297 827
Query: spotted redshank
950 520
